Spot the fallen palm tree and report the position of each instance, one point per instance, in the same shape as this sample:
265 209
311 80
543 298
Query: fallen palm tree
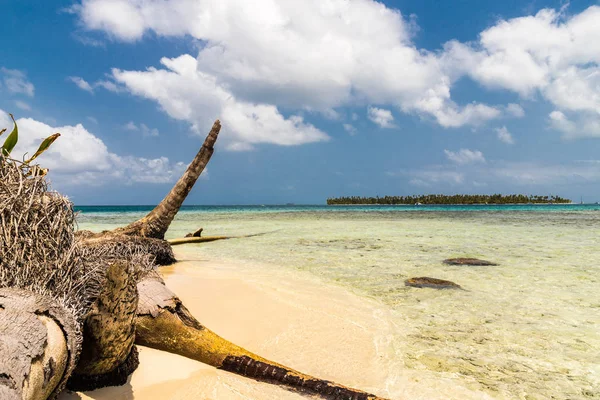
73 306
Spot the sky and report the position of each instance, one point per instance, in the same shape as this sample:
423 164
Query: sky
317 98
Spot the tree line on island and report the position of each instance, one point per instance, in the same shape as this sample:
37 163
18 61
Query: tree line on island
449 199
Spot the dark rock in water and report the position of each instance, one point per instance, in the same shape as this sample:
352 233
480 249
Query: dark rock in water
433 283
468 261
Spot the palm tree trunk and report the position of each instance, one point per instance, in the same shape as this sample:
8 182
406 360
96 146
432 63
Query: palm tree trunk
156 223
109 355
39 346
164 323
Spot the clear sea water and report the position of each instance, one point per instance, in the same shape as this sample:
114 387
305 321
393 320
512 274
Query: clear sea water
526 329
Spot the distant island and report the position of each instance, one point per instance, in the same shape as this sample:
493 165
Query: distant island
445 199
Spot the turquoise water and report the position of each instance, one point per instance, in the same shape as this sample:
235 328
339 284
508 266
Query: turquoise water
343 209
526 329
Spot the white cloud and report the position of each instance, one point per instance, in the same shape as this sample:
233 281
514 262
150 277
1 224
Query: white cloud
319 56
16 81
548 54
187 94
79 157
430 177
534 176
131 126
22 105
108 85
585 125
504 135
381 117
92 120
529 173
350 129
515 110
153 132
465 156
81 83
310 55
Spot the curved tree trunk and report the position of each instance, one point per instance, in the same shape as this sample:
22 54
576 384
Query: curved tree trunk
108 355
39 347
164 323
156 223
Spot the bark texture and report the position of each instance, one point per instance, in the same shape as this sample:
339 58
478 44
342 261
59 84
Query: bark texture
109 333
116 245
164 323
39 348
175 242
156 223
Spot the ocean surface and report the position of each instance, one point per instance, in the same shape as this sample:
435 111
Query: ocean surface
526 329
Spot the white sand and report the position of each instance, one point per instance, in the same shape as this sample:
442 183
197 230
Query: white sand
283 316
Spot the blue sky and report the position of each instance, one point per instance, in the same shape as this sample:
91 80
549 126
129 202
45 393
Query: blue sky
317 98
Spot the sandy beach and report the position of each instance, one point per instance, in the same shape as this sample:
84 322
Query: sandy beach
319 330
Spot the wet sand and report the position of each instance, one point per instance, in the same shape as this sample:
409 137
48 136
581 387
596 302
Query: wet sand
297 321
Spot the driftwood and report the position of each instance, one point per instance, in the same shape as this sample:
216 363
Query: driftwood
185 240
96 294
198 233
164 323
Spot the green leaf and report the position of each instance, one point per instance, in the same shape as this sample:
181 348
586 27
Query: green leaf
44 146
11 140
2 131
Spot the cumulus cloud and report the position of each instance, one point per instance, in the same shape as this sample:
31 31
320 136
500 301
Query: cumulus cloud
311 55
548 54
16 81
381 117
81 83
317 55
465 156
515 110
78 156
586 125
350 129
143 128
504 135
22 105
185 93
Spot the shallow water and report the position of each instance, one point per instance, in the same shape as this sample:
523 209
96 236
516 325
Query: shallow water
528 328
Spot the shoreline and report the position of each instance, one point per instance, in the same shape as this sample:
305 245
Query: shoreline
320 330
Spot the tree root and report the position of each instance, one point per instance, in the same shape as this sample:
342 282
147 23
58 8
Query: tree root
164 323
